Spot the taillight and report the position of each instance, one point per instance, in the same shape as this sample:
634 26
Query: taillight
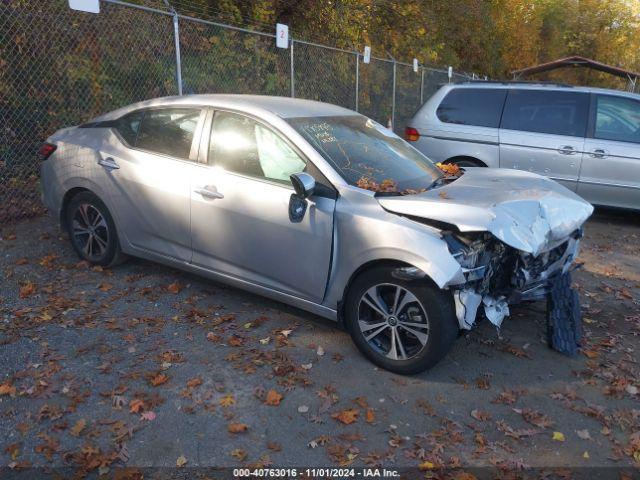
45 150
411 134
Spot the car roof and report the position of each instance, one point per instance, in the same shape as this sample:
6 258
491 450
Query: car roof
284 107
540 86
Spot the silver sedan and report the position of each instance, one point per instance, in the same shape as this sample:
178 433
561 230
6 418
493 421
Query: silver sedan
315 206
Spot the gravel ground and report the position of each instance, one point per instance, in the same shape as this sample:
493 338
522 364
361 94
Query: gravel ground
145 366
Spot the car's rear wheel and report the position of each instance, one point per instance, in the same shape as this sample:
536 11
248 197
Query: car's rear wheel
92 230
402 326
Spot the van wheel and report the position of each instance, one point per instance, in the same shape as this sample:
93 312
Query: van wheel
405 327
467 162
92 231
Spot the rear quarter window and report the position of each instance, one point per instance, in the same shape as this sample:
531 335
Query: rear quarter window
554 112
481 107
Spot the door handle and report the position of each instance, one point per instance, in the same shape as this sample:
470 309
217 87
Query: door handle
108 163
567 150
206 193
599 153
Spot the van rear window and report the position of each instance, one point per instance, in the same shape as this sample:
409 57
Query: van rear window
481 107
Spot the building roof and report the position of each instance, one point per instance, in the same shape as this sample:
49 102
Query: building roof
576 61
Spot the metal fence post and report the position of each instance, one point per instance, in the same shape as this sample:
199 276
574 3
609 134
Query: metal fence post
393 98
422 86
176 37
357 79
176 33
293 89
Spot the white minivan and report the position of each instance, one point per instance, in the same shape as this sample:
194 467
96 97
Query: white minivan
588 139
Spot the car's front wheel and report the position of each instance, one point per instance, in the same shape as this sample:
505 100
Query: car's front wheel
92 231
402 326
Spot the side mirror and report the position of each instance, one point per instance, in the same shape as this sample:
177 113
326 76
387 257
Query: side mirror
303 183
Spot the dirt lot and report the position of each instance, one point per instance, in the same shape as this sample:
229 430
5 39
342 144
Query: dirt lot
146 366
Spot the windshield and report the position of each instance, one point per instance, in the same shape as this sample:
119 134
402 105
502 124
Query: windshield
367 155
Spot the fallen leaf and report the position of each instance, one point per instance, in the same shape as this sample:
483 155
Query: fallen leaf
105 287
7 389
584 434
159 379
181 461
558 436
481 415
307 366
239 454
27 290
585 455
13 450
426 466
194 382
148 416
591 353
237 427
274 446
534 417
136 405
346 416
273 398
227 400
370 416
303 409
175 288
320 351
78 427
265 341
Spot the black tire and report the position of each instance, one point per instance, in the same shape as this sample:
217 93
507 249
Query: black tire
100 246
564 318
467 162
438 306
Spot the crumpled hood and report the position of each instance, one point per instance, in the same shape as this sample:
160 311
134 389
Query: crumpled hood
526 211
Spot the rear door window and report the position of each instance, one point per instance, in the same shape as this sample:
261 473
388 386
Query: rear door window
617 119
480 107
168 131
546 111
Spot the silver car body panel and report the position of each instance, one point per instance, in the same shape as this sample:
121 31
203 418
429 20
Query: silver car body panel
603 172
245 238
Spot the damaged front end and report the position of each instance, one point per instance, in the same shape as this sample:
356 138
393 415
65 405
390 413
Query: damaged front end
497 275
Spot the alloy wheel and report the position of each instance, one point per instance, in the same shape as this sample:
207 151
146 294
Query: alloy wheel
393 321
90 231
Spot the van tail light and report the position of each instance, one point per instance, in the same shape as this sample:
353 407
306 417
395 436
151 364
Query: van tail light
411 134
45 150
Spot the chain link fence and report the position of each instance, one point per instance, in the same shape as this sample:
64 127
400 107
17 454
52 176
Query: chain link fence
60 67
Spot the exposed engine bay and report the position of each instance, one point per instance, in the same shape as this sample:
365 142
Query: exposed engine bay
498 275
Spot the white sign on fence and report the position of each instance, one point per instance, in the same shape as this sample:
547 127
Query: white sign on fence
91 6
415 65
367 55
282 35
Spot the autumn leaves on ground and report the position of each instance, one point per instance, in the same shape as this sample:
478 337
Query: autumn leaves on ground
144 366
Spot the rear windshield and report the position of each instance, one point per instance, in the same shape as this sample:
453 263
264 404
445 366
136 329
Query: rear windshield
480 107
368 155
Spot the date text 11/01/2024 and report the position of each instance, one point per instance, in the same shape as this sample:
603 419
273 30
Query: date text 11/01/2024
316 472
